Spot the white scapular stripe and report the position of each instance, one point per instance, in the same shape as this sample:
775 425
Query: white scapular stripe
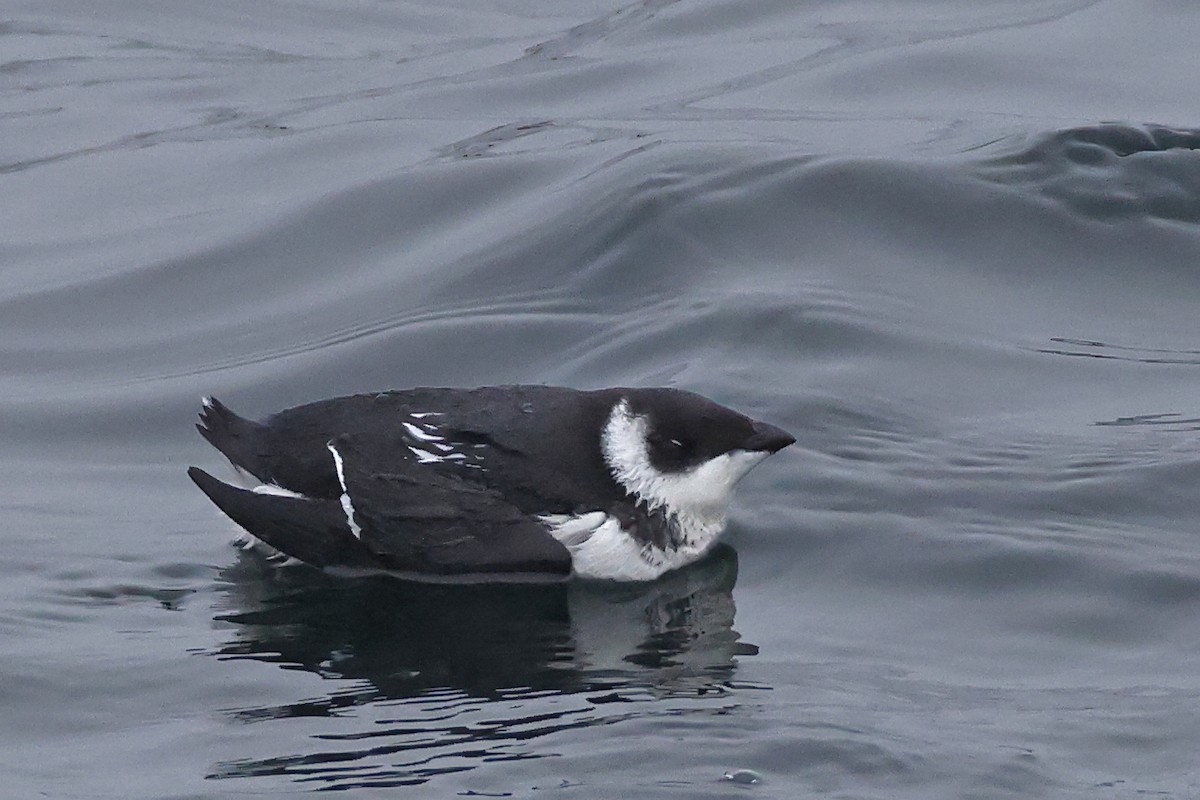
419 434
424 456
347 506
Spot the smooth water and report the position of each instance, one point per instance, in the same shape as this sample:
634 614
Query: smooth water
953 247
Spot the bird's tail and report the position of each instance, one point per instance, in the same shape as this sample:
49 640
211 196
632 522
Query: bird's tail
237 438
313 530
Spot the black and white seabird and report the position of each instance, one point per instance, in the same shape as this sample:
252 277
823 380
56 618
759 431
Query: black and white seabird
498 483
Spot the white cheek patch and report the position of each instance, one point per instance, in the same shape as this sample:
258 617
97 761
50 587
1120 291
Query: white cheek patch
702 492
695 500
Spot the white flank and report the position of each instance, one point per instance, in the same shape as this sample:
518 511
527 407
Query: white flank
424 414
275 489
573 529
601 550
347 506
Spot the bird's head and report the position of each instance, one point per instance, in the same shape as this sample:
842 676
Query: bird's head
682 452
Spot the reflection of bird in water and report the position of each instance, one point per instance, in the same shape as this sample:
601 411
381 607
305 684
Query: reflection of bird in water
436 680
679 630
404 639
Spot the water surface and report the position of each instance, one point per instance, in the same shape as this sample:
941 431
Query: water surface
953 247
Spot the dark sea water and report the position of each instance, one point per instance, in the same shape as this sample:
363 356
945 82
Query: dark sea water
953 246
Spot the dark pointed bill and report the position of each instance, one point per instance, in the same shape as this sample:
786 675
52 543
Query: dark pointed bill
768 439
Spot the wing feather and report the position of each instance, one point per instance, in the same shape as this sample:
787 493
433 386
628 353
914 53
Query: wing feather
427 518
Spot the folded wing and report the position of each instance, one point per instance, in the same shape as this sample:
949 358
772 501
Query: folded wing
436 520
396 514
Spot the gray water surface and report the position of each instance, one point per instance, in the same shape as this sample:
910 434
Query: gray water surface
953 247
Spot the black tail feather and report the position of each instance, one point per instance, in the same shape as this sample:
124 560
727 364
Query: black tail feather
240 440
313 530
295 458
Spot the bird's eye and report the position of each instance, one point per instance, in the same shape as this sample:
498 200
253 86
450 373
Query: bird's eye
667 444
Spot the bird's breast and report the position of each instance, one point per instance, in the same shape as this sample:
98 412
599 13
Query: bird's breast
602 548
